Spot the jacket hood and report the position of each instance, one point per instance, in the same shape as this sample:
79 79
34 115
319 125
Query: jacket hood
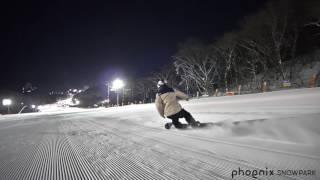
164 89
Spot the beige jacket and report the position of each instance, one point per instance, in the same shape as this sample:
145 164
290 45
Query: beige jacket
167 103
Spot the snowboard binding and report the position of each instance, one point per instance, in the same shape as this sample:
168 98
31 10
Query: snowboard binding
195 124
168 125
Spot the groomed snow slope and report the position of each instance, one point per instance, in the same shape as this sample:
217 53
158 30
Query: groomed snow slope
267 131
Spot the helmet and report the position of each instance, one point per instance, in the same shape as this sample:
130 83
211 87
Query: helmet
161 83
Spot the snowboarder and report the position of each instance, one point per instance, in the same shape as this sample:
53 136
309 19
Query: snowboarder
168 106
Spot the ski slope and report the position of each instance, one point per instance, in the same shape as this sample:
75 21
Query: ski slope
277 131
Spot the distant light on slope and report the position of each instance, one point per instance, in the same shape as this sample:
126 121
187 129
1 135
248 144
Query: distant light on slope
117 84
6 102
40 107
76 102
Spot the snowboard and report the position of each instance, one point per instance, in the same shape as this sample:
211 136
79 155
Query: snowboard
187 126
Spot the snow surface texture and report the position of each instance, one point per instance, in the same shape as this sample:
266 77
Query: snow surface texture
275 130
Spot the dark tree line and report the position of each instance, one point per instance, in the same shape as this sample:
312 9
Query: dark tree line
268 41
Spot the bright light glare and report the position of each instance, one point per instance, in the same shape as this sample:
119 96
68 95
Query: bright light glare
6 102
117 84
77 102
33 106
106 101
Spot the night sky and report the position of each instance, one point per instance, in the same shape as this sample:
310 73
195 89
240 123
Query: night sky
64 44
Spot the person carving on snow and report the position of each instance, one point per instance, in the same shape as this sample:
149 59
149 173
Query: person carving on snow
168 106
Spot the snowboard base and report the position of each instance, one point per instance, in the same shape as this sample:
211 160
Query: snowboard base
186 126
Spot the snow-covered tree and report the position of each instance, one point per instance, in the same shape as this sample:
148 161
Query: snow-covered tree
194 62
225 50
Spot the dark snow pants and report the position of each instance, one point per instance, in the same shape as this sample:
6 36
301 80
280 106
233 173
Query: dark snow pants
182 114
